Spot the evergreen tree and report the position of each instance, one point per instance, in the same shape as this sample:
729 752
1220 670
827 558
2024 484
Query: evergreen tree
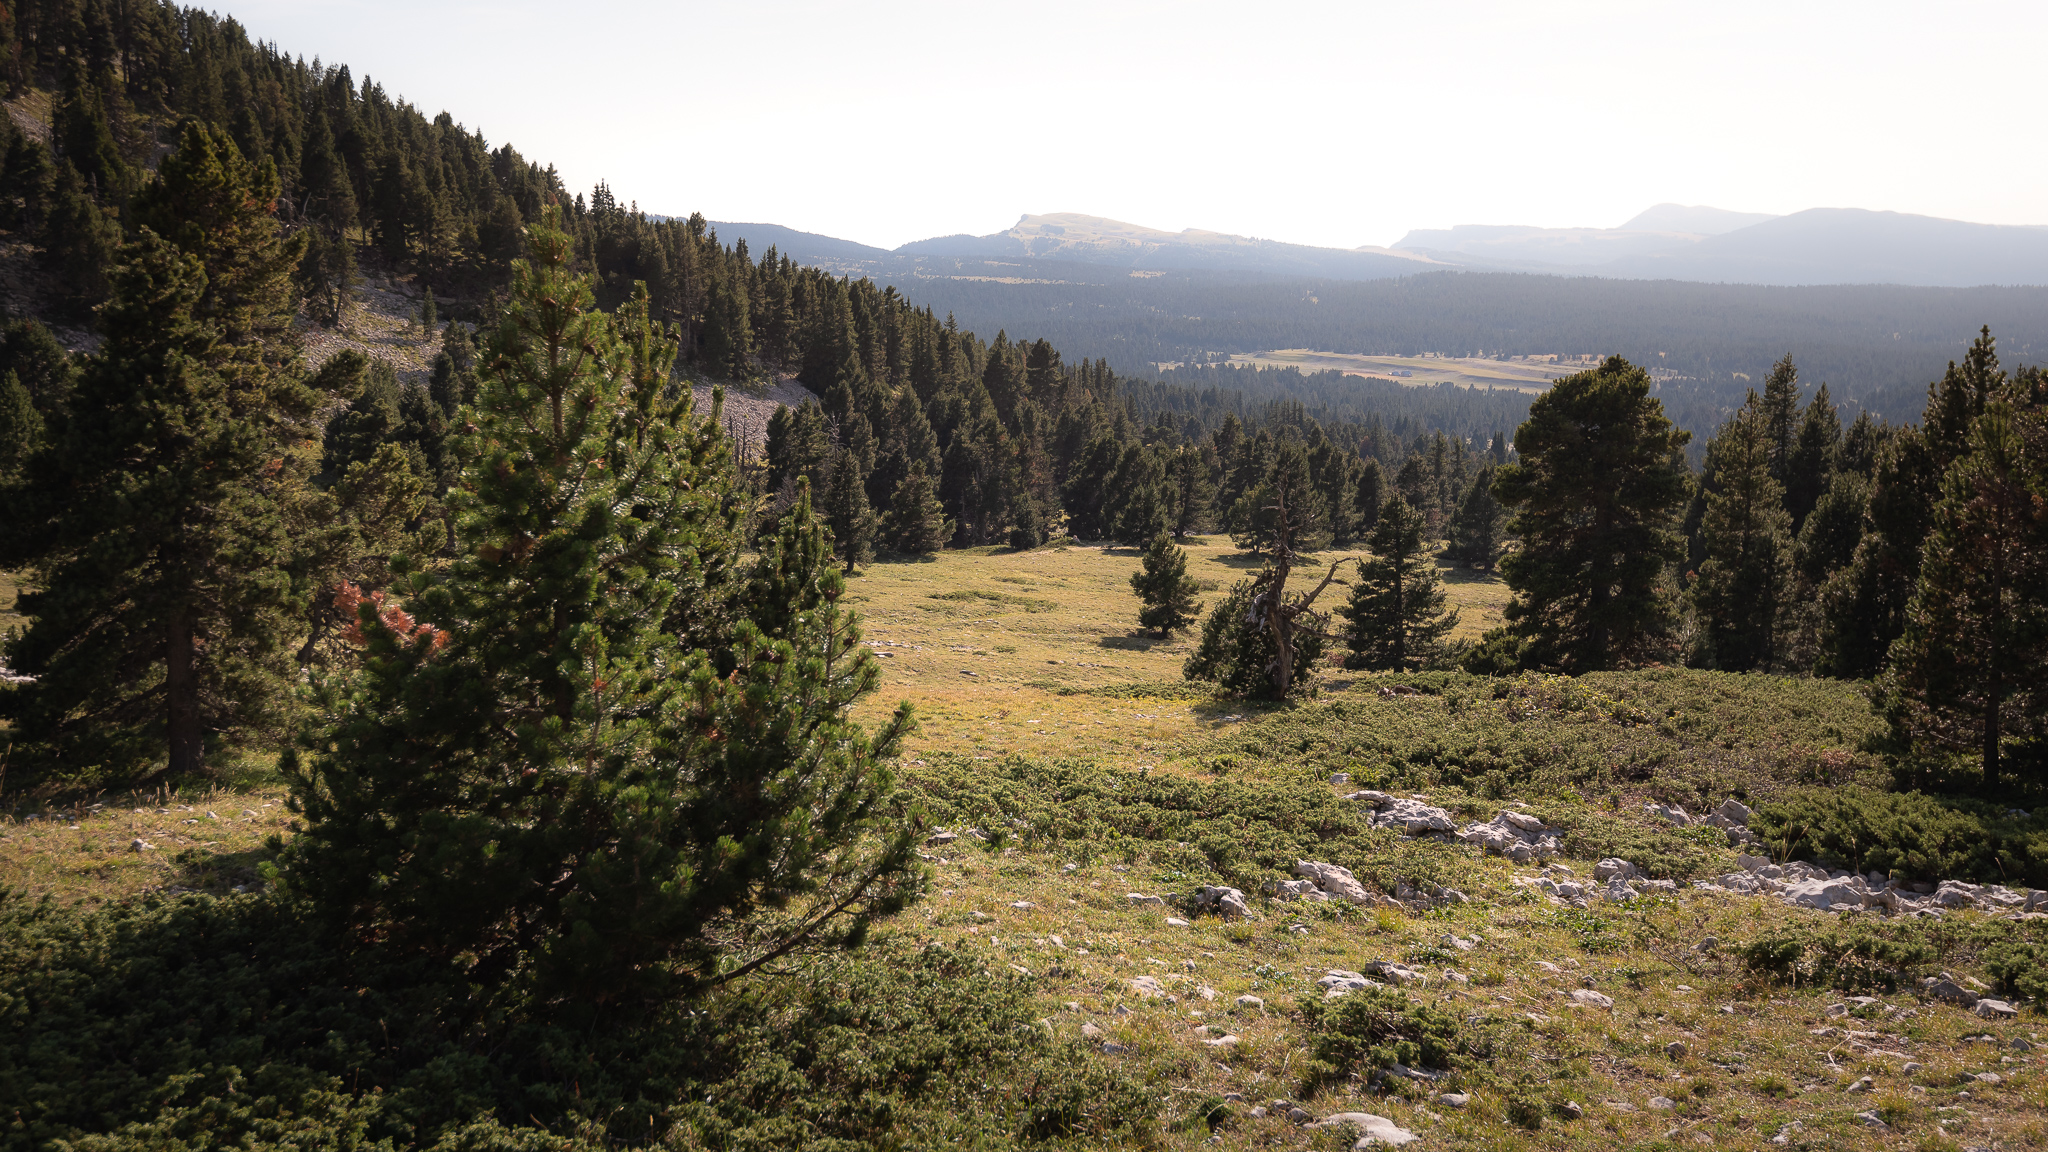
430 316
1193 492
1475 529
1371 495
1396 615
1966 672
847 514
1813 457
1780 415
162 606
1163 585
1863 606
21 427
79 239
1828 539
1597 486
1742 589
915 521
532 777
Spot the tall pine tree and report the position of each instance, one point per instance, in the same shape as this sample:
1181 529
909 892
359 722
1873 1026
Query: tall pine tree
1396 616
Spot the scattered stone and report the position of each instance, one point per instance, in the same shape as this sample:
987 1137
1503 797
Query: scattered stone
1090 1031
1588 998
1995 1010
1786 1133
1141 898
1338 982
1396 972
1676 1049
1295 890
1571 1110
141 845
1663 1103
1340 777
1147 986
941 838
1454 1099
1022 905
1874 1121
1222 1042
1175 922
1516 835
1250 1002
1461 943
1866 1084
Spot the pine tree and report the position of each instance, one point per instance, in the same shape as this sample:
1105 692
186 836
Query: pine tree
79 240
915 522
21 427
1396 615
1742 589
1475 529
1597 486
1863 606
430 316
161 605
531 776
1813 457
1966 672
1780 414
1163 585
157 527
847 514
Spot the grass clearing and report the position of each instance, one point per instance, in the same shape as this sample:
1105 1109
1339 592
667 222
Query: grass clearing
1002 1010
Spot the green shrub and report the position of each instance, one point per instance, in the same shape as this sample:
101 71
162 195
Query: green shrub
1909 835
2021 968
1853 957
236 1023
1373 1029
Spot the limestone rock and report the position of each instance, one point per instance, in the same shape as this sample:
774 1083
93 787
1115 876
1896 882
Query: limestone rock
1335 882
1141 898
1374 1130
1225 902
1591 999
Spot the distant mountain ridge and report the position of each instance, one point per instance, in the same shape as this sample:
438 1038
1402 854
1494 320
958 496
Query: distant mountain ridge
1664 242
1817 246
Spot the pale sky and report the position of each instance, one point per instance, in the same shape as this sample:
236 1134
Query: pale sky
1336 124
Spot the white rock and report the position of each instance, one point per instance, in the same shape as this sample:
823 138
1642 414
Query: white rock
1591 999
1226 902
1250 1002
1995 1010
1614 867
1296 890
1336 882
1733 809
1375 1130
1147 986
1141 898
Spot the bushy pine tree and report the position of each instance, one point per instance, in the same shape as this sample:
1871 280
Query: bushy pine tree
1966 673
156 523
1163 586
1597 487
1743 585
1476 529
532 777
847 513
21 427
915 522
1396 616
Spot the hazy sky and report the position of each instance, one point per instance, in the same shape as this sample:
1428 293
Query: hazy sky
1338 124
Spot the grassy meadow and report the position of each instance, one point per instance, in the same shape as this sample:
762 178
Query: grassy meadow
1002 1010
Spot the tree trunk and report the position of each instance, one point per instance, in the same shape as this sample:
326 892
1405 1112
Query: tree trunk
181 697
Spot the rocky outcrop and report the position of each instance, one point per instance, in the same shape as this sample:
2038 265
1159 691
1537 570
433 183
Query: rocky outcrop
1516 835
1410 817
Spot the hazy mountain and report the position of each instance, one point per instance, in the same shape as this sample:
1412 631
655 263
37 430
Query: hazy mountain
806 248
1817 246
1698 219
1070 236
1855 246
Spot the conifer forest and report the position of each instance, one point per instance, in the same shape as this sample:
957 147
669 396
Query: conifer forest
489 667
